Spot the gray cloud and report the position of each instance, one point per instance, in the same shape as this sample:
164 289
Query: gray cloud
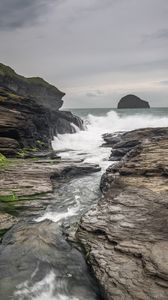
163 82
160 34
96 93
19 13
157 39
114 46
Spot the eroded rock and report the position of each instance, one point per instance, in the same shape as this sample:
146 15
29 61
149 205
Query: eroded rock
24 124
126 235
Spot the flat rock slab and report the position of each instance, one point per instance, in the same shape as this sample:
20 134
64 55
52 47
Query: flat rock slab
26 186
26 177
126 235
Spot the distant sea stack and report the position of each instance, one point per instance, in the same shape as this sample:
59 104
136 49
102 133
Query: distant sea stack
132 101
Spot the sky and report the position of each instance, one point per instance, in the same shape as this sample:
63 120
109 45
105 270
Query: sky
96 51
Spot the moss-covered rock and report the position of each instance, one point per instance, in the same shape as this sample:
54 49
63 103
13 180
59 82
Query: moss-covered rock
2 159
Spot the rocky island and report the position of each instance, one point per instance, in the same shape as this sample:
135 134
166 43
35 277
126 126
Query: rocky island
125 237
132 101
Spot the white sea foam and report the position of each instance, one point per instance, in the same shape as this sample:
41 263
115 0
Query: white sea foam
59 216
86 145
42 290
89 141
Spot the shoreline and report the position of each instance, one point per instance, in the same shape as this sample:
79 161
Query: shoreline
125 235
95 230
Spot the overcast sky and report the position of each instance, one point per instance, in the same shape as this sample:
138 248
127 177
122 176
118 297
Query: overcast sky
95 51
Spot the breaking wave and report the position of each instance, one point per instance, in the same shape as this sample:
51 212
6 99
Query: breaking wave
88 142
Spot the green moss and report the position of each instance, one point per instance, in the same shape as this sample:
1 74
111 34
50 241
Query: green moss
9 198
2 158
33 149
22 153
7 162
14 96
3 161
41 143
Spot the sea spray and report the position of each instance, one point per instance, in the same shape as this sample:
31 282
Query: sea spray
43 290
86 144
73 198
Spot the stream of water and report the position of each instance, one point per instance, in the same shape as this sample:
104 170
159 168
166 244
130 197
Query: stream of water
69 278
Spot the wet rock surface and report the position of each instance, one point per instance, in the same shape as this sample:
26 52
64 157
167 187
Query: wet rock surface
30 250
125 236
26 186
25 177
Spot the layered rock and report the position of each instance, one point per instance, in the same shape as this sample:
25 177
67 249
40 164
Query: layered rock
132 101
125 235
26 177
27 122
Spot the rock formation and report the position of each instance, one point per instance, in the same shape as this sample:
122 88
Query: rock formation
132 101
43 93
26 188
29 115
125 236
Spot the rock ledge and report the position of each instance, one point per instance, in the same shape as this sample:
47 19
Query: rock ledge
126 235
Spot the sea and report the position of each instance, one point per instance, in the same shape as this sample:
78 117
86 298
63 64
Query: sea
99 121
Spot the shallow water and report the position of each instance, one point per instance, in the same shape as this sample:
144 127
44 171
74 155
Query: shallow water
69 278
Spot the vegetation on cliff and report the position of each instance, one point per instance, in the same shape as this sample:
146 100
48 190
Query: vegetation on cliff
8 71
36 87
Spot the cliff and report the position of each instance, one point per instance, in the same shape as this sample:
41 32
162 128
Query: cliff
125 235
43 93
29 114
132 101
